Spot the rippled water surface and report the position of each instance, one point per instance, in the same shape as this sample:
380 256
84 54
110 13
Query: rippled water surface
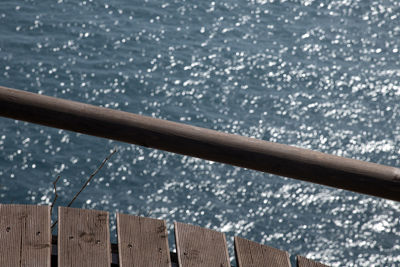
316 74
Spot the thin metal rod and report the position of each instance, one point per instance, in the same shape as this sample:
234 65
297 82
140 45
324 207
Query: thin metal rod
303 164
84 185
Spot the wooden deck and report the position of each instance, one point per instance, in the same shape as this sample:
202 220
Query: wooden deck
84 240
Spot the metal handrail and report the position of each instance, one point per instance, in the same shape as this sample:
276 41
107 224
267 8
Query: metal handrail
303 164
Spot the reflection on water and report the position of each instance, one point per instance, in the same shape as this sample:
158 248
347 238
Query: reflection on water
316 74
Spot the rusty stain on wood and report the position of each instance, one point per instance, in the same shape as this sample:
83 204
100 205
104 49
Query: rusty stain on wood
84 238
200 247
142 242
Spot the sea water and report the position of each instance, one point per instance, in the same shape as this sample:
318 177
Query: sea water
322 75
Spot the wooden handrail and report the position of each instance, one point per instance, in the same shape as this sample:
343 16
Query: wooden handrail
303 164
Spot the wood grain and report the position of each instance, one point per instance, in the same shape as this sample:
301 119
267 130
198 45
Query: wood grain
312 166
304 262
200 247
83 238
25 236
252 254
142 242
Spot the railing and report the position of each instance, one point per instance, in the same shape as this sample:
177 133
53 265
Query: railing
303 164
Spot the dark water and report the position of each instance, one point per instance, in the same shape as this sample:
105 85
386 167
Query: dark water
316 74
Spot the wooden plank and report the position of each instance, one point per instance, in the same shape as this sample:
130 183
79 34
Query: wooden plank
142 242
252 254
312 166
83 238
304 262
200 247
25 236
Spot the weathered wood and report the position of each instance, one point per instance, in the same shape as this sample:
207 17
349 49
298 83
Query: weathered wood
142 242
304 262
363 177
252 254
25 236
54 254
83 238
200 247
